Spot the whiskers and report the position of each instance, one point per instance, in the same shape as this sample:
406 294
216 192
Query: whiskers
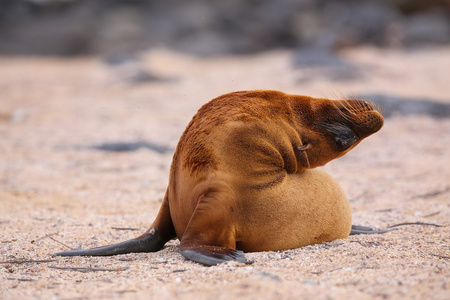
351 108
376 107
345 110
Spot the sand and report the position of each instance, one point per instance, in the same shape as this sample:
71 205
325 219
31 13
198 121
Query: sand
57 191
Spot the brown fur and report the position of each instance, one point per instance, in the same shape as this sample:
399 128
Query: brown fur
243 175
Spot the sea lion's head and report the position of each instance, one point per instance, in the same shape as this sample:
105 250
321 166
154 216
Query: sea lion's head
330 128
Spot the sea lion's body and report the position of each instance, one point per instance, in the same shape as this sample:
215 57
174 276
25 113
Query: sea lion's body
243 177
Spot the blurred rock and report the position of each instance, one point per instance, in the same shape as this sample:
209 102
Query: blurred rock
70 27
128 146
392 105
323 62
426 28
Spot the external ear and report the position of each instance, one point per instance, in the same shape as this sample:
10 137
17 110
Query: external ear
303 157
305 146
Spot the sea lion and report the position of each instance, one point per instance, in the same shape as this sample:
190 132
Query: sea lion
243 177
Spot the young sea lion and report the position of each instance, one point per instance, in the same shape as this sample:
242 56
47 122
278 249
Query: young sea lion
243 177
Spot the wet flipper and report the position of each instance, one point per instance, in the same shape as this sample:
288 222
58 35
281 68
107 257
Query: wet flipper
147 243
356 229
210 236
210 255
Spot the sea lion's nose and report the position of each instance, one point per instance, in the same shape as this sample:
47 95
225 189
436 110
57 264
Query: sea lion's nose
371 121
364 117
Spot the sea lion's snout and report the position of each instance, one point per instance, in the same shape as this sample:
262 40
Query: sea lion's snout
371 122
365 117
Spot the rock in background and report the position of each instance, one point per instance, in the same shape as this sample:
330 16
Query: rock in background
214 27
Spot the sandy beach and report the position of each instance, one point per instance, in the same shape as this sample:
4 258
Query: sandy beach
60 187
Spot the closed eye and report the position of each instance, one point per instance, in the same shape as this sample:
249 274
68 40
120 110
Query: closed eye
345 141
343 136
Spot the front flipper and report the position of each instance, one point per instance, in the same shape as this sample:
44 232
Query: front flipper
210 255
147 243
356 229
210 236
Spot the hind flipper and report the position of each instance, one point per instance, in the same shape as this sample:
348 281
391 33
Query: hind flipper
147 243
356 229
152 240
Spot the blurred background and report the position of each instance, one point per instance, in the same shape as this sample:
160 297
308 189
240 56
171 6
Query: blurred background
114 28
